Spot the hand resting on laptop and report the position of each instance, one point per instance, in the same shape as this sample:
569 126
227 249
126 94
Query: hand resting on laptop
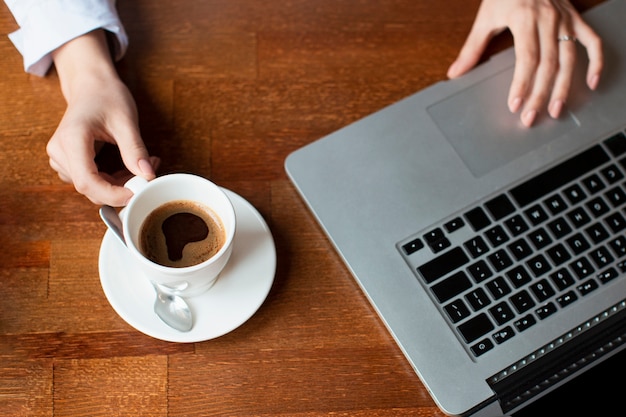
545 35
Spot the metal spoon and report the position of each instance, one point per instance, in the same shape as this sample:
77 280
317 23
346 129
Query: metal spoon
170 308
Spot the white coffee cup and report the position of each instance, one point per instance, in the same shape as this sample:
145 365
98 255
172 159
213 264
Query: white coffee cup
150 195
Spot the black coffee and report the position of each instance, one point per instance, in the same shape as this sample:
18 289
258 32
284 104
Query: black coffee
181 233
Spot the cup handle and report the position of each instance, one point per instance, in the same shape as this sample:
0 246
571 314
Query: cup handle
136 184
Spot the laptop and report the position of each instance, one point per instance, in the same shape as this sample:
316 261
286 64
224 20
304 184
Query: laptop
494 254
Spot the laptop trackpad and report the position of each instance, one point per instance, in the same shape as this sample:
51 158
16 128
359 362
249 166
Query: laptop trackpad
484 133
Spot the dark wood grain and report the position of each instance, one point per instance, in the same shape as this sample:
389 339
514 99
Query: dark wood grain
225 89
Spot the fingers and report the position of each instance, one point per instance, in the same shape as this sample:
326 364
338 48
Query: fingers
563 79
72 158
542 80
527 56
557 34
593 44
544 66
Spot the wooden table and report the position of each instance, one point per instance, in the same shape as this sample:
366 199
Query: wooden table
226 89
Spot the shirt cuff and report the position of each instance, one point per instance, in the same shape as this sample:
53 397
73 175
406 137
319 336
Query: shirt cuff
46 25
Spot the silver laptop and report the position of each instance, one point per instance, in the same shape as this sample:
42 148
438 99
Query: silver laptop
494 254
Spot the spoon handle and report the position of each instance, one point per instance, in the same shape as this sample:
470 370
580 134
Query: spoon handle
112 220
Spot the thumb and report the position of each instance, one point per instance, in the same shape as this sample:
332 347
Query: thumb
470 53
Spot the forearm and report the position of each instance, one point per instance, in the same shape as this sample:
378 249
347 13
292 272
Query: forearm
84 62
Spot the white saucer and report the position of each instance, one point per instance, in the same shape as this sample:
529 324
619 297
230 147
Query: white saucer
237 294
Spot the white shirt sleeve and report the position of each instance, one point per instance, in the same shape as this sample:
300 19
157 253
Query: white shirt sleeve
44 25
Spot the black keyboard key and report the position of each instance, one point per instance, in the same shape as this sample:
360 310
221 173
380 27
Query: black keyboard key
518 276
476 246
593 183
577 243
558 254
601 257
597 233
436 240
503 334
500 260
454 224
481 347
542 290
475 328
452 286
578 217
608 275
616 222
440 245
538 265
536 214
616 144
501 313
497 236
477 218
618 245
597 207
522 301
582 268
498 288
555 204
478 299
567 298
525 322
539 238
500 207
520 249
562 279
574 194
434 235
612 174
559 227
547 182
480 271
443 264
546 311
413 246
587 287
516 225
457 310
616 196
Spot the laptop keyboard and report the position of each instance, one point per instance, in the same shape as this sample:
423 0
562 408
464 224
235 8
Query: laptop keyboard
530 252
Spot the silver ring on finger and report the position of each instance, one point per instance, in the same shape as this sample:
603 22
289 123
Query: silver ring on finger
566 38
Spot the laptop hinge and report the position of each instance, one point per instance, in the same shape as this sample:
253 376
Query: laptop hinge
577 354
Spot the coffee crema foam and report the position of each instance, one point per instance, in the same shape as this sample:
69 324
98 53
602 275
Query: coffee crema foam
181 233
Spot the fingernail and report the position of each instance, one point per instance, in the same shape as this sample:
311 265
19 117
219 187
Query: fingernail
555 108
146 167
593 82
515 104
529 117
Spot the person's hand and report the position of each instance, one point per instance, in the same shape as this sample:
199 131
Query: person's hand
100 108
545 33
